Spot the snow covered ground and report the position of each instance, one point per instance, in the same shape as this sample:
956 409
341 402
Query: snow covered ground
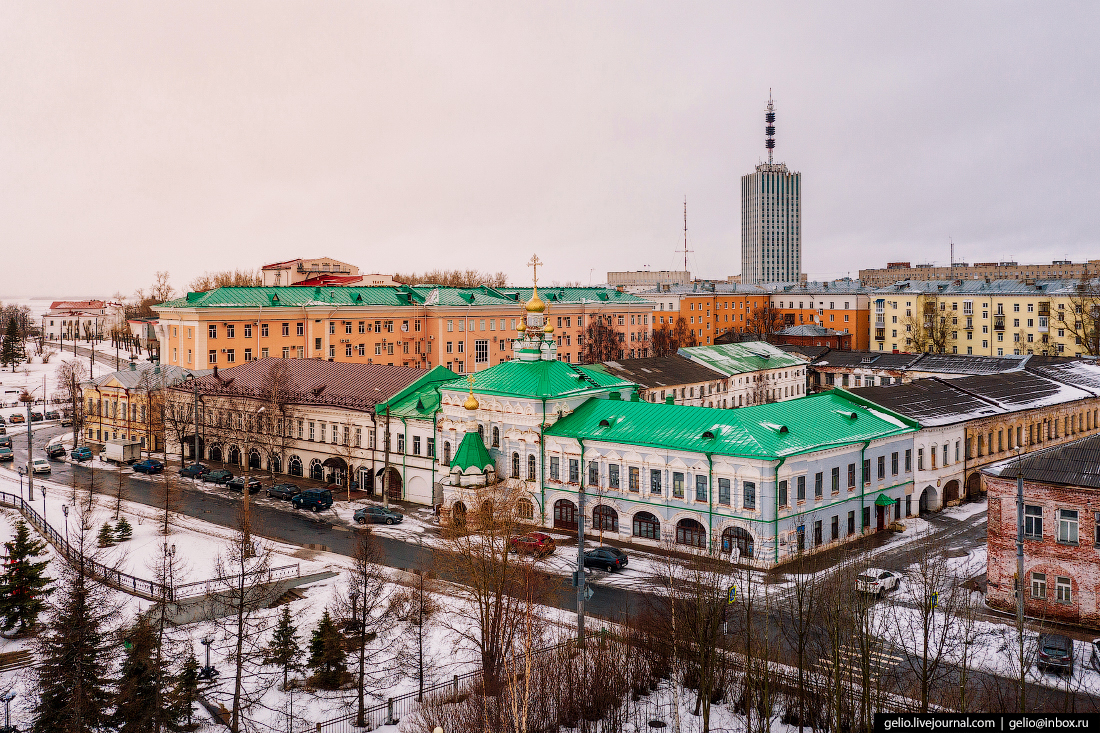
39 378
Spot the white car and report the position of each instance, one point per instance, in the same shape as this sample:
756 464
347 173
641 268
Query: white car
40 465
877 581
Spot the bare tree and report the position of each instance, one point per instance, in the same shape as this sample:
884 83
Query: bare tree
927 329
454 278
71 375
365 604
765 321
226 279
600 342
1082 320
801 620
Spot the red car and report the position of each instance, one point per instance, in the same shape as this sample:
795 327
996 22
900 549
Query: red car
538 544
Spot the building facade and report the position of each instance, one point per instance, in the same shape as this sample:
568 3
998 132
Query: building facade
1057 270
76 320
323 271
129 404
756 373
648 278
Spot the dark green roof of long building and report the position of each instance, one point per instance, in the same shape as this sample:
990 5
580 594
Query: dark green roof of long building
542 379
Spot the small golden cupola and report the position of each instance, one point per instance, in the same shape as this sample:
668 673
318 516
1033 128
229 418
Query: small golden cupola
535 304
471 403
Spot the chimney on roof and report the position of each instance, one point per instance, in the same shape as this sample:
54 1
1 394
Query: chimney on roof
215 371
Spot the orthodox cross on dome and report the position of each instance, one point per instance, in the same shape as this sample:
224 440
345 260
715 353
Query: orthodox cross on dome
470 381
534 263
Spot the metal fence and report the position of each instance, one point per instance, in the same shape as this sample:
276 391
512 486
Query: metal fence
131 584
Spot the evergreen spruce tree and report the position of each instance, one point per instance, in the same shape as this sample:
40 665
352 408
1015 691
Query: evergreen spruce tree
186 691
23 587
10 349
284 650
136 696
123 530
326 654
73 681
106 536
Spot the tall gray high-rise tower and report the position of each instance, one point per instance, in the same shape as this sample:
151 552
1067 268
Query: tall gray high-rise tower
771 218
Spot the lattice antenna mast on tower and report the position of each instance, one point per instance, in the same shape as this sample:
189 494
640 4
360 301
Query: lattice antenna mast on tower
686 250
769 127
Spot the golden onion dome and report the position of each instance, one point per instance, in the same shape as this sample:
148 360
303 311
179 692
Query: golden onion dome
471 402
548 328
535 304
521 327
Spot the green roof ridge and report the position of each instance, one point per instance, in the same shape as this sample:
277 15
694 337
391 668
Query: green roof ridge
471 453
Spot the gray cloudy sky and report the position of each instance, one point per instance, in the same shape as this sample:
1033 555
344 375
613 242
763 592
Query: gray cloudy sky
190 136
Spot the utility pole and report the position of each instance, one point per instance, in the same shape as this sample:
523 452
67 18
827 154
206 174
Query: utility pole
1020 577
27 399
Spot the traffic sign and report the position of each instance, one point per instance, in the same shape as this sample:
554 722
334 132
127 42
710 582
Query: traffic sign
588 593
935 600
731 594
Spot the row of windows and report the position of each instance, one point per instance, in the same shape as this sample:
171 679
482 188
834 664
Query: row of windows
682 482
1067 525
111 409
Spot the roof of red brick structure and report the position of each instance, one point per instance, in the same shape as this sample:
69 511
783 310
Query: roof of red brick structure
76 304
1069 464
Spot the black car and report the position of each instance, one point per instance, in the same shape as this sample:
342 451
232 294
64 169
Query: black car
56 450
238 484
5 441
36 417
1055 652
148 466
218 477
194 470
377 515
53 415
313 499
284 491
607 558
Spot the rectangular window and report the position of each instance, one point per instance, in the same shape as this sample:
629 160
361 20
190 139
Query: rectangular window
894 463
481 351
430 446
920 459
750 494
311 431
817 533
213 330
852 522
574 471
213 356
1097 538
613 476
881 467
416 445
678 485
635 479
1064 590
866 517
654 481
866 470
836 479
909 459
1039 585
1033 522
593 473
555 470
724 491
1067 526
359 438
700 487
800 488
322 431
819 485
851 475
783 493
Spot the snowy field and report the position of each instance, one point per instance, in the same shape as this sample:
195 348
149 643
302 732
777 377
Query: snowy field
37 377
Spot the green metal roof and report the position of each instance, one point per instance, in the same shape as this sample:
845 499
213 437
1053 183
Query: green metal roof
298 297
740 358
471 454
884 500
539 379
599 296
767 431
421 398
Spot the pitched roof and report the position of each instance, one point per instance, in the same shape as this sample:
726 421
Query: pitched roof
865 359
313 381
661 371
809 329
741 358
421 398
596 295
768 432
471 455
542 379
146 375
967 364
1069 464
1078 372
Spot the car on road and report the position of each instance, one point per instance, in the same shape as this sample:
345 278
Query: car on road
55 450
3 429
218 476
149 465
7 454
17 419
194 470
67 418
284 491
538 544
877 581
1054 652
607 558
377 515
313 499
36 417
81 453
238 484
40 465
2 420
53 415
5 440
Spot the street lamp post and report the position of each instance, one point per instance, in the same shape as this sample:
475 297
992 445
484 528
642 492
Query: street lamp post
65 511
7 698
27 399
207 672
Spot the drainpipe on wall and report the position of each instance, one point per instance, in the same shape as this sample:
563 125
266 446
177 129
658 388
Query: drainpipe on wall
582 582
775 521
710 502
437 438
404 453
542 461
862 486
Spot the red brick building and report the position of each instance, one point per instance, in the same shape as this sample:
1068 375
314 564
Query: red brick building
1061 532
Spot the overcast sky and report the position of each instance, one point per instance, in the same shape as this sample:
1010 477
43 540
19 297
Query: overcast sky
194 136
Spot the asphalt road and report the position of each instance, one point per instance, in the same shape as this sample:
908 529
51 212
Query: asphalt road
609 602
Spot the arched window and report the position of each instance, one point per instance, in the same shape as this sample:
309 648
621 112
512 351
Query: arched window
739 538
605 518
446 453
216 453
496 437
690 532
646 526
525 509
531 467
234 455
254 459
316 470
515 464
565 514
294 466
458 513
275 463
481 432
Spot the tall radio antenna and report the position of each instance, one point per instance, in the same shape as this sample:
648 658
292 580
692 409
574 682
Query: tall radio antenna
686 250
769 127
952 241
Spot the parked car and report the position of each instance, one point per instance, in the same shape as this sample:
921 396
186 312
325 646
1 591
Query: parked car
284 491
6 454
17 419
608 558
538 544
81 453
877 581
238 484
40 465
217 477
377 515
194 470
2 420
149 465
53 415
312 499
3 428
1055 652
5 440
55 450
36 417
67 418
